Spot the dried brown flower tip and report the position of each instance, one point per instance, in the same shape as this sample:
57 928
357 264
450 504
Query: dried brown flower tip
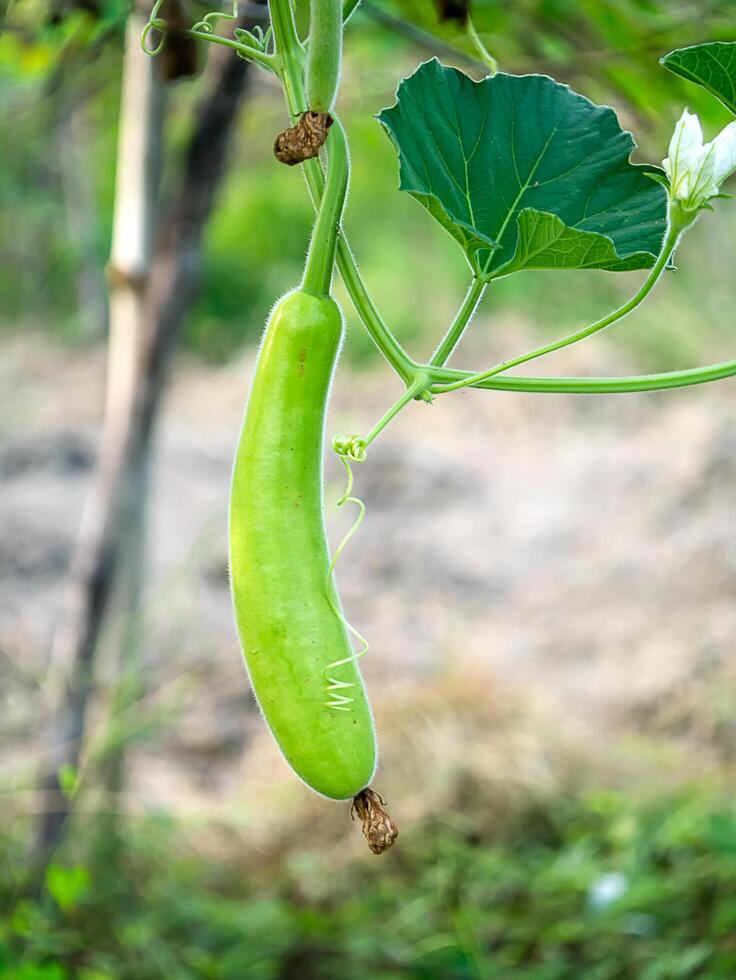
378 828
303 140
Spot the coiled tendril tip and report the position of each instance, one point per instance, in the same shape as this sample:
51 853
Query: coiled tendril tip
350 447
207 24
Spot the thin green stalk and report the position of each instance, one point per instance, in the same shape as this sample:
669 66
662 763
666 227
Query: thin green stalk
290 68
372 320
418 385
596 386
668 247
348 9
485 55
253 54
321 255
290 55
455 332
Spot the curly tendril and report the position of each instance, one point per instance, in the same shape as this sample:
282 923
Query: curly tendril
350 447
207 24
155 23
204 26
347 448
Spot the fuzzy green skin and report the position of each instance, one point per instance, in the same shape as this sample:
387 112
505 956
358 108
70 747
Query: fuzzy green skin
279 556
325 53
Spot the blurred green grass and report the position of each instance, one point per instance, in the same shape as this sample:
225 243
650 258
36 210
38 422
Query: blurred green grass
596 886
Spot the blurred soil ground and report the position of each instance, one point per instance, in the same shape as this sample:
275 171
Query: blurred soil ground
548 583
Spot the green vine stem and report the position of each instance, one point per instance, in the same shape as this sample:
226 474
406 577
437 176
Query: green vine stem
290 56
596 386
355 448
456 330
244 50
321 255
668 247
418 385
485 55
348 9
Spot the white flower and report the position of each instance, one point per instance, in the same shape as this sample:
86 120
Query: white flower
696 170
725 145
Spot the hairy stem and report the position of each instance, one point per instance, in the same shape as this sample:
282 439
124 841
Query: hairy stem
290 55
485 55
348 9
321 255
418 385
252 54
454 334
596 386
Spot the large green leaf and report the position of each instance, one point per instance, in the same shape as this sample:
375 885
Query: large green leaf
524 173
712 65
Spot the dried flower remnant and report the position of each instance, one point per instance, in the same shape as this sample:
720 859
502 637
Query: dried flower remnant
303 140
378 828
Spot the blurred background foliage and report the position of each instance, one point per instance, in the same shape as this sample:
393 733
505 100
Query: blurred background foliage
52 68
599 886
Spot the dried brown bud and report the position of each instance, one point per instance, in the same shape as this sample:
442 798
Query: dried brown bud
303 140
378 828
